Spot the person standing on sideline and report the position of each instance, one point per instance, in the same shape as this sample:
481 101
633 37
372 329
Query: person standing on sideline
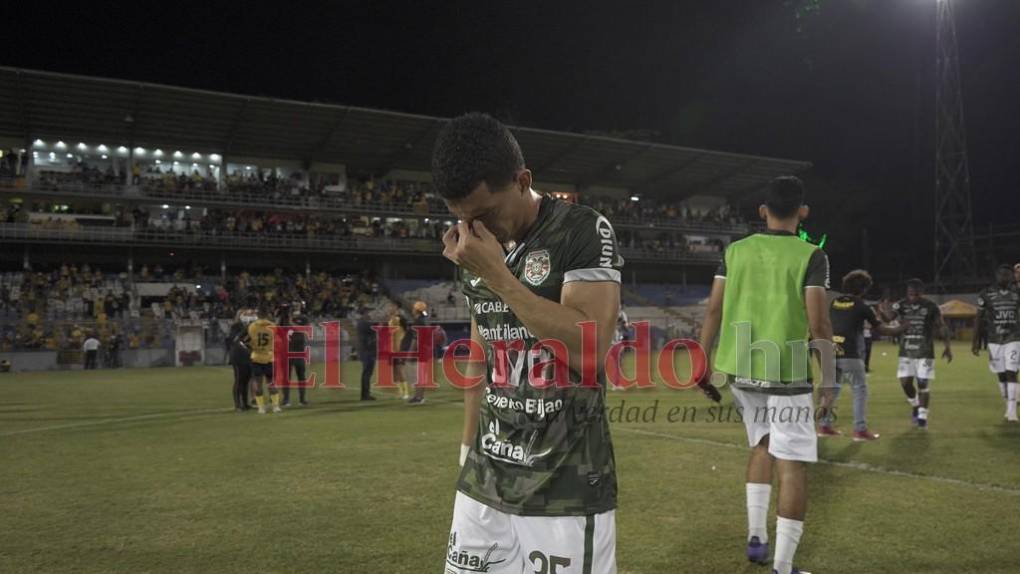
768 299
240 357
91 349
419 318
297 343
366 351
261 335
399 333
868 340
849 315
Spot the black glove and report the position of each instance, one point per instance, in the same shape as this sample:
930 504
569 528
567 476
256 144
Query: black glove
710 390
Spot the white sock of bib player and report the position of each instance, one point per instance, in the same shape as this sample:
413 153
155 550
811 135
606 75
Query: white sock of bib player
787 538
1014 392
922 414
913 401
757 510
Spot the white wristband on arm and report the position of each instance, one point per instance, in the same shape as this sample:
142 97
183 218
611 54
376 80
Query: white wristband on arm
464 449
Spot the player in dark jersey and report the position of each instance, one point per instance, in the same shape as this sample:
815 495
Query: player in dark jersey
240 357
537 491
293 314
998 323
849 313
922 319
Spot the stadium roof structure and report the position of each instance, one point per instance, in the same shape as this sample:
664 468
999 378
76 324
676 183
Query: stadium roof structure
46 105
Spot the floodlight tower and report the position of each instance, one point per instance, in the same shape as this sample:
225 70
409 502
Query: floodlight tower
954 221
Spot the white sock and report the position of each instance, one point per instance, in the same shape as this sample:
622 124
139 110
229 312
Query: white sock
922 414
913 401
1004 389
757 510
787 538
1011 397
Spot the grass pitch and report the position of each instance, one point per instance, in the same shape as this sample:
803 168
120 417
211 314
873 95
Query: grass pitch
149 470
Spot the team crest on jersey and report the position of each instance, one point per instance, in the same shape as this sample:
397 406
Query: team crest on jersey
537 266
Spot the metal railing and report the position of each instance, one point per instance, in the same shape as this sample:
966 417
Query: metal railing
315 203
269 241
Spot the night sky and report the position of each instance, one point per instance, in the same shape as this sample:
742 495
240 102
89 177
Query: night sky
846 84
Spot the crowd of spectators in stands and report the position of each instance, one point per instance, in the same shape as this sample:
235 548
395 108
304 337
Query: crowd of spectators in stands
252 185
58 309
653 211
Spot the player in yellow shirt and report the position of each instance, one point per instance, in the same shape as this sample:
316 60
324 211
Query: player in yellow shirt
399 324
261 334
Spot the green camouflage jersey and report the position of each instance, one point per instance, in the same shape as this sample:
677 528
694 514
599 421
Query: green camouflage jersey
999 311
921 318
542 451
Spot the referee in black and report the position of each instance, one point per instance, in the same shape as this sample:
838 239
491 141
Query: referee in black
366 351
240 358
294 316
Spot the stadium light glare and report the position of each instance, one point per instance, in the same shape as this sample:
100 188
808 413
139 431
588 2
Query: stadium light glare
196 155
35 154
82 146
635 198
165 206
214 157
139 151
105 156
159 162
177 163
102 148
211 166
178 154
158 152
69 156
61 145
39 143
53 155
187 207
122 149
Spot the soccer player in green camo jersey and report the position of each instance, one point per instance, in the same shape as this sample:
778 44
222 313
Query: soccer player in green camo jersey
537 491
998 322
923 321
767 299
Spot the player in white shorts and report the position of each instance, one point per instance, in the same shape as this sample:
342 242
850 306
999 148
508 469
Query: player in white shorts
922 319
537 488
774 285
998 323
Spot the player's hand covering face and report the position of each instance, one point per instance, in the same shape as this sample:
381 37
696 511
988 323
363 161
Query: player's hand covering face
475 248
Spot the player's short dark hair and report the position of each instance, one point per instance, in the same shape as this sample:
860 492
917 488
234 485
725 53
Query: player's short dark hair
857 282
472 149
785 196
916 284
1004 267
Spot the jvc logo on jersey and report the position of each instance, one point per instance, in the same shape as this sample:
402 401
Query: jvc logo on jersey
510 359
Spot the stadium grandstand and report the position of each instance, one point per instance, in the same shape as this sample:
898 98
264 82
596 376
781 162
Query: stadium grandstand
134 211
